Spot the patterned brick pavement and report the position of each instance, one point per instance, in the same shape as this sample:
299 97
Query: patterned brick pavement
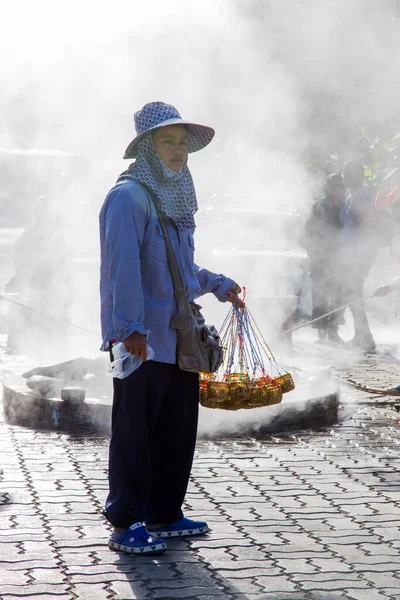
312 515
305 516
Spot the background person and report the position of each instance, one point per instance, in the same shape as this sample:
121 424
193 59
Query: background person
358 250
41 283
394 285
321 241
388 191
38 258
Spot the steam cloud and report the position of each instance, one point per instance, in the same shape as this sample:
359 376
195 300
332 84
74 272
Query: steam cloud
276 79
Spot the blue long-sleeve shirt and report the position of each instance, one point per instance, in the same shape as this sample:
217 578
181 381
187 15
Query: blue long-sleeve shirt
136 290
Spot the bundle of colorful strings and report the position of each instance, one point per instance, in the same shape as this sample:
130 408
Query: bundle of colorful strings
250 376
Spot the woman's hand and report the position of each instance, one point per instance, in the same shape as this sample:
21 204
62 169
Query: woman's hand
233 295
136 344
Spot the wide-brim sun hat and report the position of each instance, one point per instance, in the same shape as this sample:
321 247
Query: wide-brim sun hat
158 114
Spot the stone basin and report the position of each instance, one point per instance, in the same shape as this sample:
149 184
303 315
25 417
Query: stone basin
26 408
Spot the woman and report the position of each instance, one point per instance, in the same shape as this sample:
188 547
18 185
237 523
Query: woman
155 409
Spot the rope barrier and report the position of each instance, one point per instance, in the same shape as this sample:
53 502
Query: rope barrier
227 318
325 315
54 319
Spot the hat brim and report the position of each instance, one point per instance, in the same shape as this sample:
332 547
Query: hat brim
199 136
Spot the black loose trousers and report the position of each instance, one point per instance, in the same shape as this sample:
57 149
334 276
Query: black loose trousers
154 427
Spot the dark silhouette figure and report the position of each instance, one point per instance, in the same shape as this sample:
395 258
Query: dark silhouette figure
322 241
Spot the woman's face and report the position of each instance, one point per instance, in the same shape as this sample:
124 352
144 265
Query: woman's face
171 145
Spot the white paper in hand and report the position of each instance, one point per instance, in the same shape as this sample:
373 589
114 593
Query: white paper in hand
124 363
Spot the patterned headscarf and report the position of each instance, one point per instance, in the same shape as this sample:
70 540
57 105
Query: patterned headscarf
173 191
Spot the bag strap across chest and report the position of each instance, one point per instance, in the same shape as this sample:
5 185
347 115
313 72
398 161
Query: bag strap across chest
180 293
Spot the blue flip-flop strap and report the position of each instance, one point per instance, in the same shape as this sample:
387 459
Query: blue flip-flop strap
127 534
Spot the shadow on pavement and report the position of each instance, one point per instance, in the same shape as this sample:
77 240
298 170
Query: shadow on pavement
180 573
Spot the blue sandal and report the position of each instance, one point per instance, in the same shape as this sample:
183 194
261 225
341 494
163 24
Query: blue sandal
137 540
180 528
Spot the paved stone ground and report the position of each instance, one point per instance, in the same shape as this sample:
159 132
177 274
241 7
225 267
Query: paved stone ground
305 516
308 515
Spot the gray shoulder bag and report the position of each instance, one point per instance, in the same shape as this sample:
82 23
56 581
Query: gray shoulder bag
198 346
